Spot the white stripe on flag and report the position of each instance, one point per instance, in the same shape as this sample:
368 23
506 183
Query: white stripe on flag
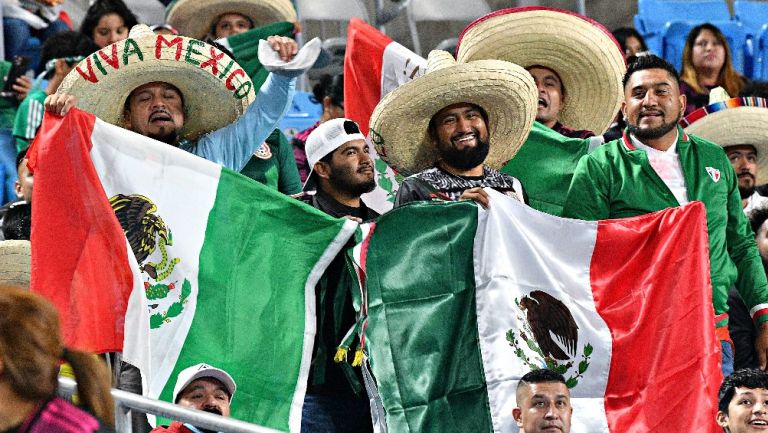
524 256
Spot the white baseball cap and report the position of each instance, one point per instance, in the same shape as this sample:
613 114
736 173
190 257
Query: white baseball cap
189 375
326 138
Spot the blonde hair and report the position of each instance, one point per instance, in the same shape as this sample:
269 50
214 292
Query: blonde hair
728 78
31 351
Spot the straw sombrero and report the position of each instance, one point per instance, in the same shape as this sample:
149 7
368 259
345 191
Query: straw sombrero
14 263
216 90
193 18
582 52
734 122
399 123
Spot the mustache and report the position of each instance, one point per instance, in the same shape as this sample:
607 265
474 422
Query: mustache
746 173
651 111
215 410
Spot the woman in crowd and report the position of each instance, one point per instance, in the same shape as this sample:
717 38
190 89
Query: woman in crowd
31 351
631 41
108 21
329 92
707 64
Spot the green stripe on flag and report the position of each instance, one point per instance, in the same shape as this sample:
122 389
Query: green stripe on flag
433 313
245 47
260 250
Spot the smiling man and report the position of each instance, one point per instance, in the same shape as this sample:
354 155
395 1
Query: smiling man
551 101
543 403
656 165
201 387
743 402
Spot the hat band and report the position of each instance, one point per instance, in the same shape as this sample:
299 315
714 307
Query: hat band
748 101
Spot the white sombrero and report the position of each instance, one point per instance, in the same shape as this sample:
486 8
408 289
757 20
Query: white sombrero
193 18
399 123
733 122
216 90
583 52
15 263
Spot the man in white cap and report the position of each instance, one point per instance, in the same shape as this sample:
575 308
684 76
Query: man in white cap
342 170
202 387
454 127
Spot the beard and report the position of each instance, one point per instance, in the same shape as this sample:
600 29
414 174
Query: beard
747 191
464 159
653 133
171 137
343 179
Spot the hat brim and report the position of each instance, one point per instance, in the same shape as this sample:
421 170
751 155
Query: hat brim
737 126
215 92
193 18
399 123
582 52
213 373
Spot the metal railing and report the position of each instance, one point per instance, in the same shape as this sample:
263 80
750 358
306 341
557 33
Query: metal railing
126 403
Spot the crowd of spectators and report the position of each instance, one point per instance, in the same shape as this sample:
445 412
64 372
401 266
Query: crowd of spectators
329 167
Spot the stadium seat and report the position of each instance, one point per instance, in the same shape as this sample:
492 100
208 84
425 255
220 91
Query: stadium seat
442 10
760 70
653 15
753 15
674 34
340 11
304 112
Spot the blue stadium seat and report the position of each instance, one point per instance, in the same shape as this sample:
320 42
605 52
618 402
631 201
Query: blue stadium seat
753 15
304 112
653 15
761 54
674 34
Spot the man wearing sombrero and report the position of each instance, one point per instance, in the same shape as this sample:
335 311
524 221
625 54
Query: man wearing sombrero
185 92
454 127
577 65
656 165
739 126
217 19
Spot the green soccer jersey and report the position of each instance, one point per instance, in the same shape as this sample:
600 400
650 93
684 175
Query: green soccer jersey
274 165
29 117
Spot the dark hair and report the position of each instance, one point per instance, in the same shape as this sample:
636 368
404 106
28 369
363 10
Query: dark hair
432 128
106 7
650 61
748 378
20 157
755 88
215 22
331 86
728 78
66 44
542 375
623 33
757 217
17 222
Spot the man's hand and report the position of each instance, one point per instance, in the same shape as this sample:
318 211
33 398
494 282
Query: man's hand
22 87
478 195
60 103
761 345
285 47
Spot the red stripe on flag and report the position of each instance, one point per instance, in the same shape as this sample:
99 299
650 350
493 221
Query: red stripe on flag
655 295
759 313
79 254
363 61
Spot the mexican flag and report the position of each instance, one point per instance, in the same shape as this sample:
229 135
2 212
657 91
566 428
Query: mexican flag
245 48
621 308
175 261
374 65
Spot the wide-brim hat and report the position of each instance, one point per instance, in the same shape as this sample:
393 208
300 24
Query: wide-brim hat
733 122
193 18
399 123
215 89
581 51
15 263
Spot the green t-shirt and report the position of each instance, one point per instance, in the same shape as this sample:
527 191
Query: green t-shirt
29 117
274 165
8 106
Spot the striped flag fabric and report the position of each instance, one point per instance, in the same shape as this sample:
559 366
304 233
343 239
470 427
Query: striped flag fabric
374 65
621 308
174 260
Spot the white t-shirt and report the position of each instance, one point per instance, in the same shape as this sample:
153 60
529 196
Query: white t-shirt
667 166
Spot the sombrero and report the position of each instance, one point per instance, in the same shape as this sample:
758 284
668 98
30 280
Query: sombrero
14 263
399 123
584 54
733 122
193 18
216 90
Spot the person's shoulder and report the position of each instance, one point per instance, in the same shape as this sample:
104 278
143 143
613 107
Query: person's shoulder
706 147
174 427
